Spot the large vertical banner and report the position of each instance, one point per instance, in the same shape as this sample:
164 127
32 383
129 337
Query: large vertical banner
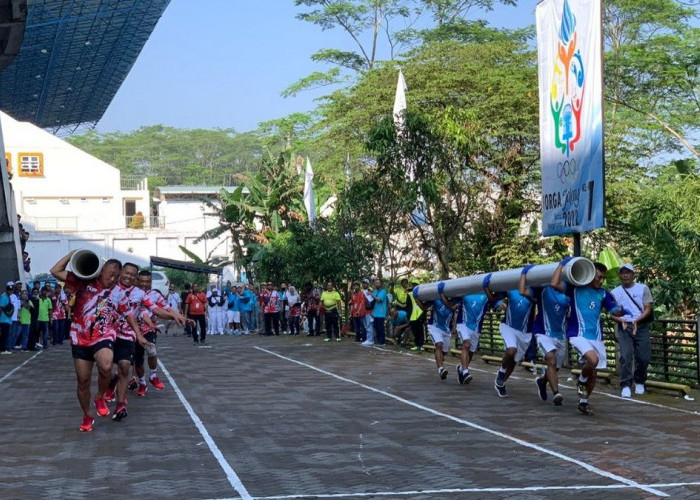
571 115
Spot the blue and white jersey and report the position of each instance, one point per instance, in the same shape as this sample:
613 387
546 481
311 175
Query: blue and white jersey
519 312
442 316
587 303
473 309
551 314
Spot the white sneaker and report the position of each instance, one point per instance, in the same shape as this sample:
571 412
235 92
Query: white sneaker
639 389
626 392
367 343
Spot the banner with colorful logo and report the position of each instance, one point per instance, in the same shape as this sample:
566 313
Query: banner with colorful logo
571 115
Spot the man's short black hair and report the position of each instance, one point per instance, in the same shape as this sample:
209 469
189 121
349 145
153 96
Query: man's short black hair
113 262
145 272
601 267
131 264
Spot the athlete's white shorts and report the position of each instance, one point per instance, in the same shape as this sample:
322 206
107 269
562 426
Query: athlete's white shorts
234 316
583 345
439 336
513 338
465 333
548 344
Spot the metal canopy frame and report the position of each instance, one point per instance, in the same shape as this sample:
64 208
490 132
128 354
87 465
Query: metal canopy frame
192 267
75 56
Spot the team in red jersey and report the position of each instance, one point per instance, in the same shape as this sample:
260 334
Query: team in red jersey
104 330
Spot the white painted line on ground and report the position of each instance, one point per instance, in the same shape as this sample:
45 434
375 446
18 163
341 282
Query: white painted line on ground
561 385
231 475
462 421
9 374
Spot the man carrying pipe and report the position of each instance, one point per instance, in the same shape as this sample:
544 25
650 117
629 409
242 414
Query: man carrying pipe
440 326
516 331
549 329
583 328
474 307
91 337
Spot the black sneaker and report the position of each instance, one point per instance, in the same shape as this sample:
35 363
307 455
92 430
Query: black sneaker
443 373
501 390
460 377
558 399
500 379
581 389
585 409
541 388
120 414
133 384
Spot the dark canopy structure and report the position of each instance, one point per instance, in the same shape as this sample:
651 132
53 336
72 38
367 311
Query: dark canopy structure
75 56
191 267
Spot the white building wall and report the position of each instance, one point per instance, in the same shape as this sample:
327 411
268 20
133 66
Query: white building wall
78 202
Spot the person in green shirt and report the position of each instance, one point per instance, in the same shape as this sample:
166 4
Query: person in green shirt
330 298
25 318
43 317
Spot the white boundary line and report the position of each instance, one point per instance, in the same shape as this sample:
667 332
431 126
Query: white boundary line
467 490
231 475
9 374
584 465
564 385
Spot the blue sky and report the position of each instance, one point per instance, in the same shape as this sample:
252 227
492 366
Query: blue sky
223 64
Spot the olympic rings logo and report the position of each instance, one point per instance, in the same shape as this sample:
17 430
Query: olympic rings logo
567 169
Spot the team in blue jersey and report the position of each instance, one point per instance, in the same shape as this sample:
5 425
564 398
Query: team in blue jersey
440 325
583 328
473 309
516 331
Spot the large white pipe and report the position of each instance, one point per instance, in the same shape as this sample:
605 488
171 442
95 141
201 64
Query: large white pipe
86 264
579 271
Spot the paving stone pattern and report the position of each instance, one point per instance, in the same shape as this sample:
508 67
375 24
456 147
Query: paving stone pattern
287 429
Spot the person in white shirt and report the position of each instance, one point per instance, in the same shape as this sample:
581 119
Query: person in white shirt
633 331
174 302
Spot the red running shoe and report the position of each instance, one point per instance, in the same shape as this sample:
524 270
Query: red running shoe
142 390
101 407
109 395
86 426
157 383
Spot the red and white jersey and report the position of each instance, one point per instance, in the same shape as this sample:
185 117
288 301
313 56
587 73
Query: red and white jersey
157 298
93 314
128 302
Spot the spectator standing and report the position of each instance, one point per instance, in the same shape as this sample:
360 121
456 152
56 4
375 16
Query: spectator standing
294 310
358 311
34 327
416 320
25 319
183 299
6 310
44 317
368 320
247 303
174 301
633 331
312 307
271 308
59 301
330 298
379 311
196 309
284 324
16 304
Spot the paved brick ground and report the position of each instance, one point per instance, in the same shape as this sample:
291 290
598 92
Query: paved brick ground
386 428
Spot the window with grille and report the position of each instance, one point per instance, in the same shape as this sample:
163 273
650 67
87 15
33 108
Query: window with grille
31 164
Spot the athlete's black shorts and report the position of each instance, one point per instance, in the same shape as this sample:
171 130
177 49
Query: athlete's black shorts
124 350
87 353
140 352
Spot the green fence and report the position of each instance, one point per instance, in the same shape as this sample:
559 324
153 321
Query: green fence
674 348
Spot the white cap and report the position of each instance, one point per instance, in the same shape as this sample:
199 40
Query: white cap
10 283
627 266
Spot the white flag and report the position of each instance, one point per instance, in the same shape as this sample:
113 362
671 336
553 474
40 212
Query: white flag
400 103
309 202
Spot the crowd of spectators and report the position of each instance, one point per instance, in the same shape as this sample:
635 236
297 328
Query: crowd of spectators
366 310
34 317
